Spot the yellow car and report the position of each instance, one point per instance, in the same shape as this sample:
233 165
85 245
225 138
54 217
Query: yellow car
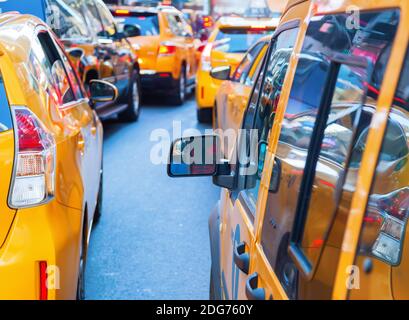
166 49
234 92
316 205
227 45
50 162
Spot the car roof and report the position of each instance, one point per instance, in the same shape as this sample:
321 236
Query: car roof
17 44
247 23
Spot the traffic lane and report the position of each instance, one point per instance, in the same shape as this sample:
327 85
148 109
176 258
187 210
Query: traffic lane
152 241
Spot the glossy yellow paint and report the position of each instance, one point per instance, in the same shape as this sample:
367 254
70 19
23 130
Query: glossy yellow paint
206 86
51 232
233 214
150 59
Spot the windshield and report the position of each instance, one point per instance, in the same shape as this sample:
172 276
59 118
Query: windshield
238 40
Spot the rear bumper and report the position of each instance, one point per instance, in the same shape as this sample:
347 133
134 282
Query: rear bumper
161 82
51 234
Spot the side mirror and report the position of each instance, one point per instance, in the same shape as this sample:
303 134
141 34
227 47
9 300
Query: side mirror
102 91
76 53
221 73
131 31
194 156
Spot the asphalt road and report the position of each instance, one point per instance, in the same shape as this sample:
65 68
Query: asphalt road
152 240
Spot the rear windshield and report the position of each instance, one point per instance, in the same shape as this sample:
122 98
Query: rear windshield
238 40
148 23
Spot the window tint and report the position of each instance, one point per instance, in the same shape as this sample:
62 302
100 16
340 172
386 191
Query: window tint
245 66
148 23
237 40
67 20
260 116
54 65
330 141
384 237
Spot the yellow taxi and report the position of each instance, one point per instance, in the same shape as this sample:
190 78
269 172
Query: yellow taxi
51 163
166 49
234 92
316 204
227 45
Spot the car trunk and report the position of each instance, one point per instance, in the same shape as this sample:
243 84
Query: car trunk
147 49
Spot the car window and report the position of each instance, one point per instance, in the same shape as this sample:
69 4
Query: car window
176 24
147 22
67 20
54 64
107 19
92 16
231 40
384 236
242 71
256 66
257 121
320 148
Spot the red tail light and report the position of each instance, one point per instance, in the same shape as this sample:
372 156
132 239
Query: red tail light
33 181
167 49
43 281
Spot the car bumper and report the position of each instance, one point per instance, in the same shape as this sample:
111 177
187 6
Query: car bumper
158 82
50 233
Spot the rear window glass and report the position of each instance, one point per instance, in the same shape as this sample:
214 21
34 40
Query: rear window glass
238 40
148 23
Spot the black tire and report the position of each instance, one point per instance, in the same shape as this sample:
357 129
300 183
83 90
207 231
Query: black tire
178 96
131 114
82 265
98 209
204 115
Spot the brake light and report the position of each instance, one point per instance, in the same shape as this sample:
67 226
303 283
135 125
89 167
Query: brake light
122 12
43 281
206 58
167 49
34 173
258 28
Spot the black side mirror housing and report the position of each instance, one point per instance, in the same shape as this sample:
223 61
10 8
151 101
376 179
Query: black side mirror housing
221 73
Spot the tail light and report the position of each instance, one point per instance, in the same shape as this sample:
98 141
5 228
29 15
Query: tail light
385 224
167 49
34 165
206 58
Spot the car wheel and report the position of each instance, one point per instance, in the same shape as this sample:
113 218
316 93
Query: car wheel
98 209
204 115
131 114
82 265
179 94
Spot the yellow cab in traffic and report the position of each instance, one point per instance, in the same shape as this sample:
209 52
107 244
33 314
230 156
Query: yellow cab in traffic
226 46
50 161
317 204
166 49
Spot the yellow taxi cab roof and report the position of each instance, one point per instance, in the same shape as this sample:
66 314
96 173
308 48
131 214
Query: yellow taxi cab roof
247 23
16 32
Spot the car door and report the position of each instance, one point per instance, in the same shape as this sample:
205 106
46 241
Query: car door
238 233
314 168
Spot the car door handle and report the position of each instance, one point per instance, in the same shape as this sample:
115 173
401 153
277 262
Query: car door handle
253 292
241 257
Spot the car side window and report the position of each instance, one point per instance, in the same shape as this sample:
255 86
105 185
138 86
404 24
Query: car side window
256 66
259 117
93 17
245 65
60 81
107 19
384 239
66 19
176 24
